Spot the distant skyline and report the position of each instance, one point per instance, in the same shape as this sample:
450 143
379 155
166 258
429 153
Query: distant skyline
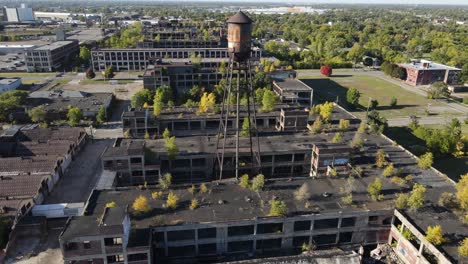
302 2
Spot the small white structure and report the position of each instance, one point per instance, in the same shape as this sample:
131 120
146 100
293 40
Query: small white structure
58 210
8 84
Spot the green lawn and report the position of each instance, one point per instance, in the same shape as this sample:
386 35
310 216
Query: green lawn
450 165
27 74
408 103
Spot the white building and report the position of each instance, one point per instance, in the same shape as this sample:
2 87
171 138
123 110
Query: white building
20 14
9 84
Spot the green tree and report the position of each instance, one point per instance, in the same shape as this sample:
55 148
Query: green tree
171 148
278 208
374 189
141 97
245 131
425 161
380 159
207 102
393 101
166 133
435 235
244 181
356 53
325 110
438 90
10 100
85 55
389 170
317 125
343 125
401 201
101 116
172 200
269 100
74 116
109 72
462 249
417 197
38 114
165 181
338 138
141 205
352 97
462 192
258 182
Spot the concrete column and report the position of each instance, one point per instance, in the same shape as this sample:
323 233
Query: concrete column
221 240
288 232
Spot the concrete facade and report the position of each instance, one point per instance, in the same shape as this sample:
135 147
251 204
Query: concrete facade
50 57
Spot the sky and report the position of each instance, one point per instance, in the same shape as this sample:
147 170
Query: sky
406 2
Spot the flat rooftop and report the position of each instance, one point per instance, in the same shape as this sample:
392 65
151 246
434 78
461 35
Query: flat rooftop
53 45
8 81
292 85
452 227
432 66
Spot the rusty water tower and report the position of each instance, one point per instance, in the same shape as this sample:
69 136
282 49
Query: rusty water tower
239 66
239 36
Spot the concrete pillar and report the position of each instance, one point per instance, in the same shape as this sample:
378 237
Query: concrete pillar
288 233
221 240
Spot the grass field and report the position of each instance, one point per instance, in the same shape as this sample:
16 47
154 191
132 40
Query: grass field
27 74
450 165
377 89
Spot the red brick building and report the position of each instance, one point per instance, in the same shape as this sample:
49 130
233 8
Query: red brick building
423 72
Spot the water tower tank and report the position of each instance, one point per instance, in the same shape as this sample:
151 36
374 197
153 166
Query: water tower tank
239 36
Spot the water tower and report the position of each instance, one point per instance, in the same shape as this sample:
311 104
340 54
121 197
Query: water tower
239 66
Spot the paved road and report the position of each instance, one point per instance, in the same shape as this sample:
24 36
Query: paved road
429 120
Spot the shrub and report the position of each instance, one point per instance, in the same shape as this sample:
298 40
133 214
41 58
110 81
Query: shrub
303 193
447 200
401 201
203 188
362 128
111 205
348 199
258 182
352 97
337 138
343 125
326 70
165 181
156 195
425 161
193 204
380 160
463 248
278 208
127 134
435 235
140 205
417 197
147 135
398 181
317 125
172 200
388 171
393 101
333 172
191 189
374 189
374 104
244 181
462 191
